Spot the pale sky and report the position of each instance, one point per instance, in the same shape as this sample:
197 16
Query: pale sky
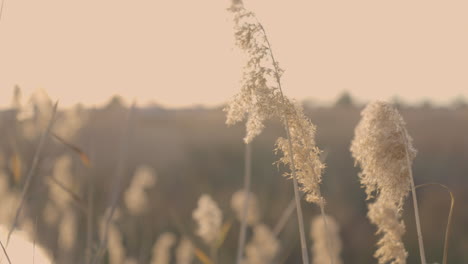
181 52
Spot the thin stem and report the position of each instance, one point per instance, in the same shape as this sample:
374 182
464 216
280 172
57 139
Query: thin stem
415 202
300 219
449 220
5 252
287 212
247 183
329 242
89 219
285 216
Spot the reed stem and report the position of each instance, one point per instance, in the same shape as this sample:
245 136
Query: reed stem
247 183
415 202
300 219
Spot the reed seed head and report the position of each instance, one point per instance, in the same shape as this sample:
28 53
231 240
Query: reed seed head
305 153
237 204
263 247
386 216
382 148
325 237
185 251
162 249
209 219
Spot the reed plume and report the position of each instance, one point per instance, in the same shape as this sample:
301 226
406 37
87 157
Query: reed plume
384 151
237 204
323 239
209 219
135 196
260 98
263 247
162 249
185 251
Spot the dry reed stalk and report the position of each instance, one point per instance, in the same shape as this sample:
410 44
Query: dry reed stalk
247 181
449 220
415 200
89 219
384 151
262 98
287 212
5 252
32 170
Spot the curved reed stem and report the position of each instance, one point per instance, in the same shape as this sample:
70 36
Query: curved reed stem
449 220
300 219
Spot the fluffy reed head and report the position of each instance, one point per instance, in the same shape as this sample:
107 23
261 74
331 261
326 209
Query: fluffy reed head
209 219
386 216
135 196
162 247
237 204
259 96
185 251
325 239
382 148
263 247
68 231
304 152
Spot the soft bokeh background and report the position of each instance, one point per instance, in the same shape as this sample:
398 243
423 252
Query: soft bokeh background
193 152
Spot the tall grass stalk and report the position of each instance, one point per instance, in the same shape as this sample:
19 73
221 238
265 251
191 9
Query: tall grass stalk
415 201
449 220
297 198
5 252
384 150
261 98
89 219
287 212
32 171
247 183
